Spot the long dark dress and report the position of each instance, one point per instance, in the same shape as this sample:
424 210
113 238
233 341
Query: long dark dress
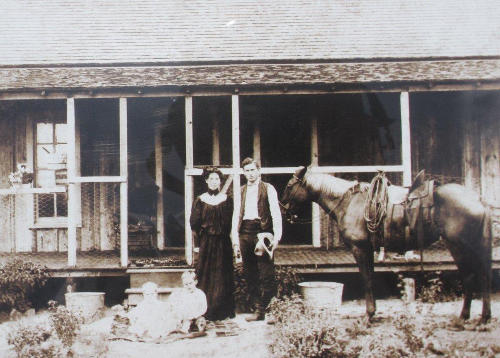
214 270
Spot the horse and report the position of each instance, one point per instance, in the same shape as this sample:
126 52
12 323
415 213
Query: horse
457 216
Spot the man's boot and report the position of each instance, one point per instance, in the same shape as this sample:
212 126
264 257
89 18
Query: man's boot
258 315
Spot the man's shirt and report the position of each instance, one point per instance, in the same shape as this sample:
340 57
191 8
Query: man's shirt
251 210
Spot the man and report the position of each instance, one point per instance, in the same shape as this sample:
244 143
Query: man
259 213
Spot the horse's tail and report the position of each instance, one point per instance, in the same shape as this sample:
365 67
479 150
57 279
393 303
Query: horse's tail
487 235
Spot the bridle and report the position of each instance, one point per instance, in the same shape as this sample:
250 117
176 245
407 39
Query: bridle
293 218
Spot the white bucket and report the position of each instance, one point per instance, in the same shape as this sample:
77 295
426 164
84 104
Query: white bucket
90 305
322 294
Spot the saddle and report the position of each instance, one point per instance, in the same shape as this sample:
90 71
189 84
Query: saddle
420 200
408 211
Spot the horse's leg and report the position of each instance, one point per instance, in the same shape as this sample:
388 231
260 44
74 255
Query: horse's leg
468 283
472 274
466 273
364 258
485 274
486 290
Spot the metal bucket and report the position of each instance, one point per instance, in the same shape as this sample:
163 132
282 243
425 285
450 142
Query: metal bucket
322 294
90 305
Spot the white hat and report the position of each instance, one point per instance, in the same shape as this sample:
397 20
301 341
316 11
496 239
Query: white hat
264 244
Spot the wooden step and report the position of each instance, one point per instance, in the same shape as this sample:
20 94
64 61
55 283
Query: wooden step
135 295
167 279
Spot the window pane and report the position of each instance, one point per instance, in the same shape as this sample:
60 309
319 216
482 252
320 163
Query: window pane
60 156
44 133
359 129
46 179
100 136
45 205
62 204
44 155
282 125
61 133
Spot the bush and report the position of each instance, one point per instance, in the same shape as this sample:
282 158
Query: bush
434 289
59 336
18 281
64 322
287 279
302 331
35 341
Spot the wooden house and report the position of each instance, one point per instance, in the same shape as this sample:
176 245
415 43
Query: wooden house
115 106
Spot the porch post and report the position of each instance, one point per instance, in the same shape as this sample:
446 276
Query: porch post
72 190
315 215
215 140
235 130
405 138
123 184
256 142
159 182
472 146
188 180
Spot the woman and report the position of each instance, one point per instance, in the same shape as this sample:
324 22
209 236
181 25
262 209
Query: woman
211 223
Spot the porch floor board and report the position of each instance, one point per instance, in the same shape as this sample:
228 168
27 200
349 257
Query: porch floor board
305 258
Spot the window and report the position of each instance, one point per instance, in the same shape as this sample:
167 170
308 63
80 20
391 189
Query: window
51 169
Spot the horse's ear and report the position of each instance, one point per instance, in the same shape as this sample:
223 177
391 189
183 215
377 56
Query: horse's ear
299 173
419 180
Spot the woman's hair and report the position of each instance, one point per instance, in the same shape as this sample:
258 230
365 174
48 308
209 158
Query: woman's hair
209 170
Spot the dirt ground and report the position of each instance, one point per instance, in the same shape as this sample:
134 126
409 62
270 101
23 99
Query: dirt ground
252 339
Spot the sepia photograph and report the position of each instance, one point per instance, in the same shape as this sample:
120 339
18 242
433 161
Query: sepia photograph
245 178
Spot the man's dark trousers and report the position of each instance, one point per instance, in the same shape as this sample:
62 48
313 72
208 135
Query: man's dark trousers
258 270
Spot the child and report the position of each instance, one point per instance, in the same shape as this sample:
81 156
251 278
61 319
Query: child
152 318
189 304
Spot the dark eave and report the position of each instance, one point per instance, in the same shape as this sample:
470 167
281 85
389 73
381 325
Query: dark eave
248 75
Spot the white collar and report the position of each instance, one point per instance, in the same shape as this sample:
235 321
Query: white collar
213 199
255 183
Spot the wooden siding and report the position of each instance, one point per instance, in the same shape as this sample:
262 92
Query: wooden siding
6 165
489 113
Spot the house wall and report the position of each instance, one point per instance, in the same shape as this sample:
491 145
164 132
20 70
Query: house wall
454 136
19 229
6 166
488 113
15 211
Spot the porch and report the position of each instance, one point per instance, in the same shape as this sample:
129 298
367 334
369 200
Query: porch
306 259
94 158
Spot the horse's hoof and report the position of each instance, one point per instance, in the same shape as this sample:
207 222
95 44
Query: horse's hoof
484 320
369 319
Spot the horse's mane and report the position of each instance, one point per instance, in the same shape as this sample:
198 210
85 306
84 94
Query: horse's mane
327 184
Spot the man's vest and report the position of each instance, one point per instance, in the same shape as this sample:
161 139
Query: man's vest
266 221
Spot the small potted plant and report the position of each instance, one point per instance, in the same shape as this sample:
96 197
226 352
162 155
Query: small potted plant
23 176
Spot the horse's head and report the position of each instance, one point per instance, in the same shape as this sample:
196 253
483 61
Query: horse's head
294 194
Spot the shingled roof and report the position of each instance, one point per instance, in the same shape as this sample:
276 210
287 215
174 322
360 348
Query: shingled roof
75 32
